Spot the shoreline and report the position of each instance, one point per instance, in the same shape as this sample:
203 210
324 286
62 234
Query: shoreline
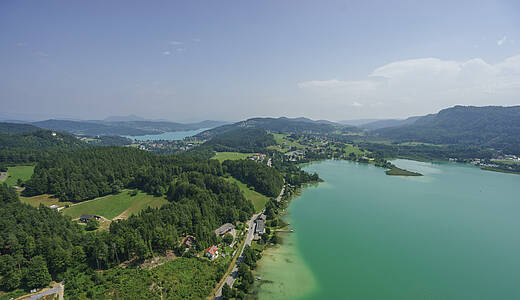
271 280
284 252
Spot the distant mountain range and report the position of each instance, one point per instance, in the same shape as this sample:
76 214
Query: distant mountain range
132 128
489 126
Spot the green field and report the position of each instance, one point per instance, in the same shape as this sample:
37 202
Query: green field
352 149
44 199
112 206
18 172
258 199
222 156
284 142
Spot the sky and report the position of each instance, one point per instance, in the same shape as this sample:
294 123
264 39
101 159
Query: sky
230 60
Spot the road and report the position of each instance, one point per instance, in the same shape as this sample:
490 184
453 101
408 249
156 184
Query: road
58 289
281 193
232 277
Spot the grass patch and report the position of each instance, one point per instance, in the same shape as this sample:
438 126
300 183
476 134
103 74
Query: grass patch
13 294
222 156
506 162
182 278
18 172
44 199
285 143
112 206
258 199
401 172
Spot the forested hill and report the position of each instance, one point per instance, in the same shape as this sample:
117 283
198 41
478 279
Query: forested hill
92 128
241 140
490 126
14 128
28 147
280 125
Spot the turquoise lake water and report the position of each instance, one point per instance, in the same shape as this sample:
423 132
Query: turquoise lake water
451 234
174 135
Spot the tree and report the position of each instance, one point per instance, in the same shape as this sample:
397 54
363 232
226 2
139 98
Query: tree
11 280
228 238
92 224
37 275
227 292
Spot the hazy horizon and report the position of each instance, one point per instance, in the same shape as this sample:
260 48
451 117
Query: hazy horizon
201 60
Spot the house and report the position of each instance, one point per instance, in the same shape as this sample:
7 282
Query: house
260 227
224 229
262 217
189 241
86 218
54 207
211 252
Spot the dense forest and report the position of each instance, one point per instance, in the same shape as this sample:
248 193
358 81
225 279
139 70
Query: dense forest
426 152
89 173
241 140
29 147
37 244
264 179
14 128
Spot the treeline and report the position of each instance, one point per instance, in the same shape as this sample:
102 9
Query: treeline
427 152
29 147
293 174
86 174
241 140
264 179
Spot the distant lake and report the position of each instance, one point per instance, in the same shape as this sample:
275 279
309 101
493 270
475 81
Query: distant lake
450 234
174 135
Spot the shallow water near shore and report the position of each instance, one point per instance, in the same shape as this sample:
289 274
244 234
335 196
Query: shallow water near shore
450 234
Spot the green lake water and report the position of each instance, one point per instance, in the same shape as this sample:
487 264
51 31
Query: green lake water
451 234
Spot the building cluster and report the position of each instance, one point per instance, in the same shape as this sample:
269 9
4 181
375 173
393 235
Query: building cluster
295 155
257 157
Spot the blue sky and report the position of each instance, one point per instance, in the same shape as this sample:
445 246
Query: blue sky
228 60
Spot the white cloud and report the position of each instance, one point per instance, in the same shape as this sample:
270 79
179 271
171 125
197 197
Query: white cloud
166 53
501 41
181 49
176 43
422 85
196 40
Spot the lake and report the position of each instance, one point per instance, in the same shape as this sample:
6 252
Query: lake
174 135
451 234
